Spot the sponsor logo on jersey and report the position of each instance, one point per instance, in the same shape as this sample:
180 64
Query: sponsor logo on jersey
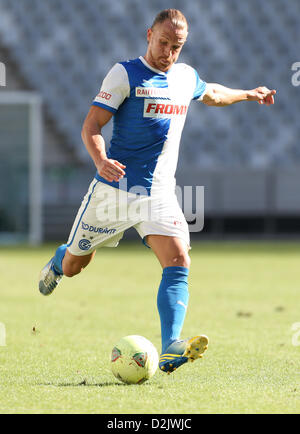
155 92
163 109
104 95
91 228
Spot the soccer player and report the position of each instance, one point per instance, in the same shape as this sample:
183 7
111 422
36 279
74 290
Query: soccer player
148 98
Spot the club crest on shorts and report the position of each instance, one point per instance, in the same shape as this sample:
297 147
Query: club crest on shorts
84 244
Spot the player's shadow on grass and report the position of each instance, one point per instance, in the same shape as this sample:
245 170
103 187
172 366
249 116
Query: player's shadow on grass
86 384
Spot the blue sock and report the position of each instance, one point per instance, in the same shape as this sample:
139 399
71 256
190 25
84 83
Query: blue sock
58 258
172 301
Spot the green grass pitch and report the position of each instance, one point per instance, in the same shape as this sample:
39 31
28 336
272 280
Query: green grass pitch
245 297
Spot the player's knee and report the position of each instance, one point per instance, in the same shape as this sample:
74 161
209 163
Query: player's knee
182 259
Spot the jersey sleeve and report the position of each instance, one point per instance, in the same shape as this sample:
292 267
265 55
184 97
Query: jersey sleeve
200 88
115 88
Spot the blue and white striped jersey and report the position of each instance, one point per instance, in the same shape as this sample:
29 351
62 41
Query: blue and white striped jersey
149 109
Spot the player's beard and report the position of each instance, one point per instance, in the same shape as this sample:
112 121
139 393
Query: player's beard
165 62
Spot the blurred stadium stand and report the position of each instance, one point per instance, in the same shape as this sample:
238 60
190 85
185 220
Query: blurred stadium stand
247 156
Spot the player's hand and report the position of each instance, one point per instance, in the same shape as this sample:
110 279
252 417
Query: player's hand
262 95
111 170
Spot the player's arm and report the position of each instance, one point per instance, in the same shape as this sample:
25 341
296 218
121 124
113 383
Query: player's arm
220 96
97 117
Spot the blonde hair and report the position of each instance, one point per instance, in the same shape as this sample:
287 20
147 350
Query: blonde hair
174 15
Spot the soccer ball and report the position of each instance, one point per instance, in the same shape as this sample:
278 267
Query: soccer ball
134 359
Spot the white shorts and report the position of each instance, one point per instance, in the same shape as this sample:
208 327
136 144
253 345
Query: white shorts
106 213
